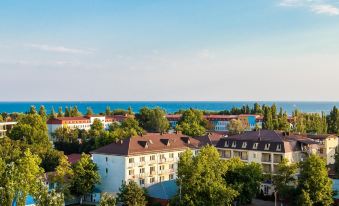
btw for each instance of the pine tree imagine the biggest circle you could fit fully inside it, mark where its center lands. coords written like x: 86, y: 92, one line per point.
x: 52, y: 114
x: 42, y: 112
x: 67, y: 112
x: 32, y: 110
x: 89, y: 111
x: 108, y: 111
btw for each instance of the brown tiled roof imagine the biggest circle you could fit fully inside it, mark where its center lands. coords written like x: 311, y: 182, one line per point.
x: 211, y: 138
x: 316, y: 136
x: 258, y: 140
x: 73, y: 158
x: 148, y: 143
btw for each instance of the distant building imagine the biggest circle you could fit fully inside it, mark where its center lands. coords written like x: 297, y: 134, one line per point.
x: 220, y: 122
x: 83, y: 122
x: 4, y: 127
x: 147, y: 159
x: 268, y: 148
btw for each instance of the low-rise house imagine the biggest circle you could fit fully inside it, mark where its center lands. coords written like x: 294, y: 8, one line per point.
x: 146, y: 159
x: 268, y: 148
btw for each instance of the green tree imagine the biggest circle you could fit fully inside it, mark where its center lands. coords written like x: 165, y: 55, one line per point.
x: 43, y: 197
x: 74, y: 112
x: 89, y: 111
x: 107, y: 200
x: 268, y: 118
x: 333, y: 121
x: 131, y: 194
x: 61, y: 113
x: 42, y: 112
x: 85, y: 176
x: 244, y: 178
x: 129, y: 110
x: 63, y: 176
x: 108, y: 111
x: 65, y: 134
x: 236, y: 126
x: 32, y: 110
x: 153, y: 120
x: 192, y: 123
x: 52, y: 114
x: 67, y: 112
x: 201, y: 181
x: 314, y: 182
x: 285, y: 179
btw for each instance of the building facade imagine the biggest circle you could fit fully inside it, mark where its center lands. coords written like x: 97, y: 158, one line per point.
x: 147, y: 159
x: 268, y: 148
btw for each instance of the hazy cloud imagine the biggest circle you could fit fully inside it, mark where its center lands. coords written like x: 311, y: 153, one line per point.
x: 59, y: 49
x: 316, y: 6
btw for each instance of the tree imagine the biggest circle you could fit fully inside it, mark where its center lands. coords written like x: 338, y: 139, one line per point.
x: 108, y: 111
x: 67, y: 112
x: 52, y: 114
x: 65, y: 134
x: 32, y: 110
x: 333, y: 121
x: 129, y: 110
x: 285, y: 179
x: 42, y: 112
x: 236, y: 126
x: 201, y: 181
x: 107, y: 200
x: 63, y: 176
x: 131, y: 194
x: 85, y: 176
x: 43, y: 197
x: 89, y: 111
x: 61, y: 113
x: 314, y: 184
x: 244, y: 178
x: 192, y: 123
x: 32, y: 129
x: 74, y: 112
x: 153, y: 120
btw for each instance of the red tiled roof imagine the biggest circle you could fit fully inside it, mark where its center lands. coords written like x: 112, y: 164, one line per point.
x: 148, y: 143
x: 73, y: 158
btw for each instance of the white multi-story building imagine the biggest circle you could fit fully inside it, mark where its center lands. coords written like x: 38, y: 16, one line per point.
x: 5, y: 126
x: 268, y: 148
x: 147, y: 159
x: 84, y: 122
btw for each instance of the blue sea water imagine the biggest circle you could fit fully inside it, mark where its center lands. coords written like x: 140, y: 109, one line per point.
x: 169, y: 106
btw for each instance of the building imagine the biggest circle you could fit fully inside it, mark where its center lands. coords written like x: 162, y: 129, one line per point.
x: 220, y: 122
x: 83, y: 122
x: 328, y: 144
x: 147, y: 159
x: 4, y: 127
x: 268, y: 148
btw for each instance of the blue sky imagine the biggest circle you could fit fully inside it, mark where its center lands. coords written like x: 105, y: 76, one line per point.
x: 169, y: 50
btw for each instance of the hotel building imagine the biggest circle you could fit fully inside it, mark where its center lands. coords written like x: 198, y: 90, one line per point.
x: 147, y: 159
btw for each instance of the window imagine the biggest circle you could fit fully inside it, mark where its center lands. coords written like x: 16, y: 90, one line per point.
x: 162, y: 178
x: 152, y: 157
x: 267, y: 146
x: 255, y: 146
x: 162, y: 167
x: 171, y: 176
x: 106, y: 170
x: 106, y: 159
x: 152, y: 169
x: 162, y: 156
x: 234, y: 144
x: 244, y: 145
x: 131, y: 160
x: 171, y: 166
x: 142, y: 159
x: 279, y: 147
x: 142, y: 170
x: 141, y: 181
x: 152, y: 179
x: 130, y: 172
x: 266, y: 189
x: 171, y: 155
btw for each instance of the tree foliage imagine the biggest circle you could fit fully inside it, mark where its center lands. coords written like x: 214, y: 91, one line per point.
x: 235, y: 126
x: 192, y: 123
x: 153, y: 120
x: 244, y: 178
x: 107, y: 200
x: 201, y: 179
x: 131, y: 194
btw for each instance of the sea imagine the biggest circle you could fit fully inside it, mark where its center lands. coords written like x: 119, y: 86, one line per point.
x: 168, y: 106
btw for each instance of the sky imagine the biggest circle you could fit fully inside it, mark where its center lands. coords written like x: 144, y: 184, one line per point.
x: 175, y: 50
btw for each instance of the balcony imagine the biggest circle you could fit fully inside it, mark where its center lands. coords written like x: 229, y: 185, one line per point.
x: 266, y: 157
x: 267, y: 168
x: 277, y: 158
x: 140, y: 164
x: 244, y: 156
x: 162, y: 160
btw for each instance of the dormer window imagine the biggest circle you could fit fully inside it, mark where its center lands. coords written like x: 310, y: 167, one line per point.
x: 244, y: 145
x: 267, y: 146
x: 255, y: 145
x: 234, y: 144
x: 226, y: 144
x: 279, y: 147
